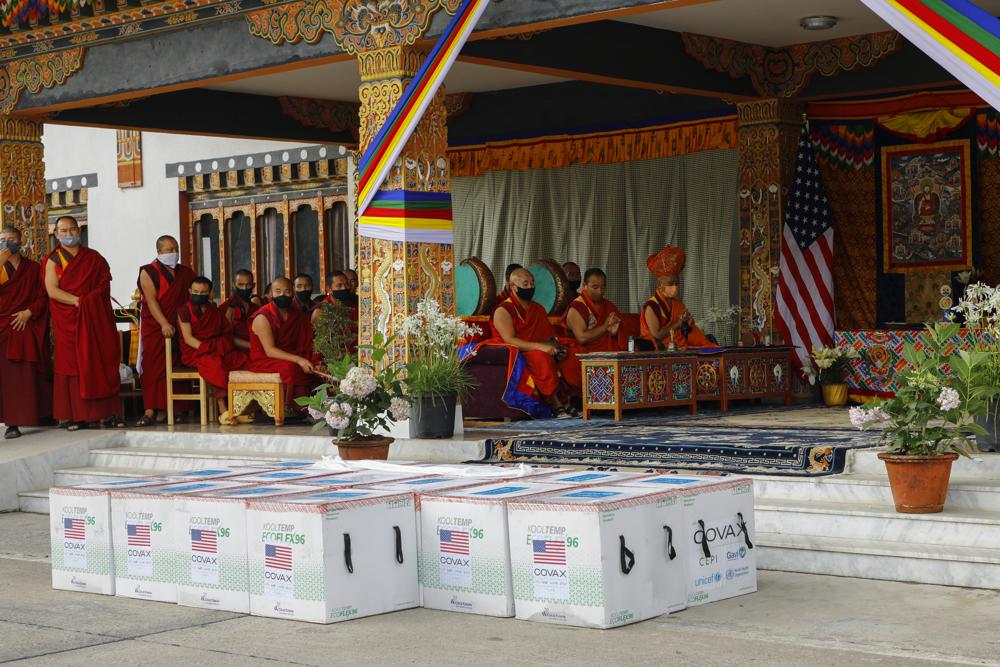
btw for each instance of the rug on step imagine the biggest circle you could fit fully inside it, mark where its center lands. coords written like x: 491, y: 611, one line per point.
x: 799, y: 452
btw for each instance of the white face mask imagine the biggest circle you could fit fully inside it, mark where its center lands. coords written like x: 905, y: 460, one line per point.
x: 168, y: 259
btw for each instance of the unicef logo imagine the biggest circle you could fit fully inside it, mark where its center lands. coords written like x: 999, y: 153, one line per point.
x: 718, y: 577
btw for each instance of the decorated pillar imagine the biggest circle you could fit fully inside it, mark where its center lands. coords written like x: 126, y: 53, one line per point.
x: 22, y: 182
x: 405, y: 251
x: 768, y: 136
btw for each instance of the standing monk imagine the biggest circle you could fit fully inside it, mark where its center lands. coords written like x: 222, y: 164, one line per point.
x: 25, y: 384
x: 665, y: 318
x: 240, y: 307
x: 521, y: 323
x: 87, y: 347
x: 207, y: 344
x: 593, y: 321
x: 281, y: 341
x: 164, y: 284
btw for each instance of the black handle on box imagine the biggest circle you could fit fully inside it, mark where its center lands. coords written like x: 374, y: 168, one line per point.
x: 627, y: 557
x: 347, y: 553
x: 704, y: 539
x: 746, y: 531
x: 671, y: 552
x: 399, y: 544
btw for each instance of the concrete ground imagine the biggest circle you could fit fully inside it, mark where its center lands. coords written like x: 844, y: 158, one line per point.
x: 794, y: 619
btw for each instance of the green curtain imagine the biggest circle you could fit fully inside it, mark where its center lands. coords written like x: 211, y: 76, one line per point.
x: 612, y: 217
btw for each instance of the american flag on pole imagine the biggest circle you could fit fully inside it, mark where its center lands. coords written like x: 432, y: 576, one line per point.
x: 138, y: 534
x: 74, y: 529
x: 805, y: 282
x: 455, y: 542
x: 203, y: 540
x: 548, y: 552
x: 277, y: 557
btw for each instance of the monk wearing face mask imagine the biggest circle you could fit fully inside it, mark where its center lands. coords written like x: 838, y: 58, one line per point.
x: 281, y: 341
x: 665, y: 318
x: 164, y: 284
x: 240, y: 307
x: 341, y: 295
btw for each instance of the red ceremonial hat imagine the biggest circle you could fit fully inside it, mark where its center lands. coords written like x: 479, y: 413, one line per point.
x: 667, y: 262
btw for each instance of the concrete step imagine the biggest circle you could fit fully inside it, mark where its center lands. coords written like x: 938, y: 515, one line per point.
x: 238, y: 441
x: 34, y: 501
x: 153, y: 461
x: 872, y: 489
x: 985, y: 465
x: 969, y: 567
x: 96, y: 475
x: 862, y: 523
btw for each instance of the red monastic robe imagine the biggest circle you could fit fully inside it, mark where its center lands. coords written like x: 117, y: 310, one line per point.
x: 87, y: 346
x: 668, y: 312
x: 217, y: 355
x: 595, y: 314
x: 171, y: 293
x: 294, y: 335
x: 531, y: 323
x: 25, y: 361
x: 243, y: 311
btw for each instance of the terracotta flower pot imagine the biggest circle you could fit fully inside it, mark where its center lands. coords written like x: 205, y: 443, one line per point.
x: 919, y: 483
x: 373, y: 448
x: 835, y: 395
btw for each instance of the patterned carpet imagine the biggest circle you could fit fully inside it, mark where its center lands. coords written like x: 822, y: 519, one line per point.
x: 801, y: 452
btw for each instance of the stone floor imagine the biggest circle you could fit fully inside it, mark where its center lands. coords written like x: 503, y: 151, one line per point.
x: 794, y: 619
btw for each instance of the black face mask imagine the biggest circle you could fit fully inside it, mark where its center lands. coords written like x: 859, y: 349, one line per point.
x: 341, y: 294
x: 574, y: 285
x: 525, y: 293
x: 199, y: 299
x: 305, y: 296
x: 245, y: 294
x: 283, y: 301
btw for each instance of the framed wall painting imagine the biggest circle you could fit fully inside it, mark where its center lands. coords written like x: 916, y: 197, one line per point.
x: 927, y: 207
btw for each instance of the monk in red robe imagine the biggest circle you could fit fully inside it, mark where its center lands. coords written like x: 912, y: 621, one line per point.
x: 504, y: 294
x: 240, y: 307
x: 665, y: 318
x: 25, y: 380
x: 207, y: 344
x: 164, y: 284
x: 281, y: 341
x: 593, y: 321
x: 86, y: 381
x: 303, y: 288
x: 521, y: 323
x: 352, y: 280
x: 340, y: 295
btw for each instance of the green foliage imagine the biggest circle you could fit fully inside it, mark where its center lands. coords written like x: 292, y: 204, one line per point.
x: 333, y: 333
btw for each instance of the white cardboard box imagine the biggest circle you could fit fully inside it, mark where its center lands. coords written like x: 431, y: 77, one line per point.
x: 145, y: 553
x: 283, y: 476
x: 589, y: 477
x: 332, y: 555
x: 598, y: 556
x: 367, y: 477
x: 275, y: 465
x: 464, y: 550
x: 221, y: 472
x: 210, y: 532
x: 80, y: 531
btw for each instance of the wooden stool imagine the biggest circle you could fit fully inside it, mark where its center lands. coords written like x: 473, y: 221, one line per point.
x: 266, y: 389
x: 206, y: 405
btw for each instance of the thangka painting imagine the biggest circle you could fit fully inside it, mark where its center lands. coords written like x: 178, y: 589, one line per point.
x: 926, y: 207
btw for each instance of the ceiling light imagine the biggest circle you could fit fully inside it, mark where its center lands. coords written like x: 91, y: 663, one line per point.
x: 817, y: 22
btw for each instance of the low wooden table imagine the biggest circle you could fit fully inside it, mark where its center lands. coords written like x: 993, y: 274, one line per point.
x: 622, y: 381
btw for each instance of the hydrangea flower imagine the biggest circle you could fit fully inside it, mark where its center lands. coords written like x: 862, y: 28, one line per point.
x: 359, y: 383
x: 949, y: 399
x: 338, y: 415
x: 399, y: 409
x: 865, y: 418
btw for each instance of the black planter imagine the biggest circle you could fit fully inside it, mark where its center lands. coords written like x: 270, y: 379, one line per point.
x: 991, y: 441
x: 433, y: 416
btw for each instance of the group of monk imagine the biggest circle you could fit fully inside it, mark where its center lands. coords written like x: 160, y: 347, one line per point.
x: 591, y: 323
x: 78, y: 383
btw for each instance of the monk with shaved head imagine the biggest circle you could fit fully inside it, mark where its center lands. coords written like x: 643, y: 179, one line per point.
x: 164, y: 284
x: 523, y: 324
x: 281, y: 341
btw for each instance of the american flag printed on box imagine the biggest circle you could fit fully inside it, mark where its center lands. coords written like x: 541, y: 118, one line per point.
x: 548, y: 552
x: 74, y: 529
x: 138, y: 534
x: 455, y: 542
x: 203, y: 540
x: 277, y: 557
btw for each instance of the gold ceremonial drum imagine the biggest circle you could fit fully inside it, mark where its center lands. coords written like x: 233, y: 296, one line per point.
x: 475, y: 288
x: 552, y: 290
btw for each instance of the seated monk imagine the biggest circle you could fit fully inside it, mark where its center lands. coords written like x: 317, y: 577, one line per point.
x: 593, y: 321
x: 521, y: 323
x: 504, y: 294
x: 303, y: 286
x: 240, y: 307
x: 281, y: 341
x: 665, y: 319
x: 340, y: 295
x: 207, y: 344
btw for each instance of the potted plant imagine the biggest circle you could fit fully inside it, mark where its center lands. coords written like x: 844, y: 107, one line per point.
x: 721, y: 321
x: 435, y: 376
x: 829, y: 366
x: 334, y: 335
x: 931, y: 420
x: 979, y: 310
x: 360, y: 400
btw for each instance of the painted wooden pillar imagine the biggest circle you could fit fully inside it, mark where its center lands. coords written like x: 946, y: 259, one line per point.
x: 394, y: 275
x: 768, y: 136
x: 22, y: 182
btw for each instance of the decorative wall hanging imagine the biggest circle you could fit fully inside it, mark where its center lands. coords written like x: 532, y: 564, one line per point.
x: 844, y: 146
x: 987, y: 133
x: 926, y: 207
x: 129, y: 159
x: 930, y: 125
